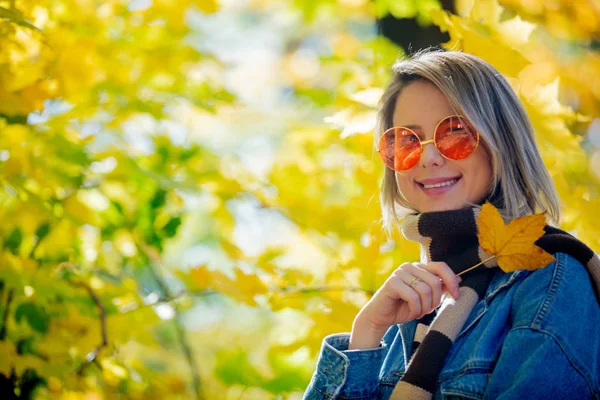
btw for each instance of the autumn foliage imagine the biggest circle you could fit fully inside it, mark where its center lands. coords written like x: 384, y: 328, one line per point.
x: 190, y: 189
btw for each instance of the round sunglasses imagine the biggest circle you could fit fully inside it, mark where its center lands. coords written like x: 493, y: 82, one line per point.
x: 455, y: 138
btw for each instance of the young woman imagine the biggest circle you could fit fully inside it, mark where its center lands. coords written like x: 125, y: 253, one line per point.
x: 452, y: 134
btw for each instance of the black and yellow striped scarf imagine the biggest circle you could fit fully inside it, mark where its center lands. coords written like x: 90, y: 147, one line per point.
x: 451, y: 236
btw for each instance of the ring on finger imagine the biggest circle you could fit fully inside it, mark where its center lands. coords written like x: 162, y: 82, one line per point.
x: 414, y: 282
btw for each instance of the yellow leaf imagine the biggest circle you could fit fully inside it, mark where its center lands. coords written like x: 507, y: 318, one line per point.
x: 482, y: 30
x: 513, y: 244
x: 486, y: 11
x: 10, y: 358
x: 243, y: 287
x: 515, y: 31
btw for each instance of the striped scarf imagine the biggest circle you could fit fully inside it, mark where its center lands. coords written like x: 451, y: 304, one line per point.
x: 451, y: 236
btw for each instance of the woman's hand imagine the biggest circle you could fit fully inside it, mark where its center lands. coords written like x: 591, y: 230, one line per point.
x: 396, y: 302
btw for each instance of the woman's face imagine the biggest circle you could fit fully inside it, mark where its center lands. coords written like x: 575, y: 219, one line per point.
x: 420, y: 105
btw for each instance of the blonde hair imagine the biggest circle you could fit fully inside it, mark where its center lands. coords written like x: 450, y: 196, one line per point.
x: 521, y: 184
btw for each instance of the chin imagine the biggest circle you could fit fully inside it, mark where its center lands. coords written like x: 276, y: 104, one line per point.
x: 444, y: 207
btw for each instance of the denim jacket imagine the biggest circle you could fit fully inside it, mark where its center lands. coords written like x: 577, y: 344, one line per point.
x: 535, y: 335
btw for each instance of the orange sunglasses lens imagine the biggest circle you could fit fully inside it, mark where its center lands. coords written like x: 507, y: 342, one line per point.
x: 455, y: 138
x: 400, y: 149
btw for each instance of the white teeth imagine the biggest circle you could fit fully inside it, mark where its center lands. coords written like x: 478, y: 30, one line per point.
x: 447, y: 183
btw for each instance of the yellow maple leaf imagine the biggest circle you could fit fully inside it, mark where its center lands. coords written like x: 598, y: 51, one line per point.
x: 513, y: 244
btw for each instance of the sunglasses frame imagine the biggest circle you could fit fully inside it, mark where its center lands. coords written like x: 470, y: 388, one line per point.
x: 425, y: 142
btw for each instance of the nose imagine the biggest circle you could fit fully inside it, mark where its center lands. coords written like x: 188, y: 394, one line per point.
x: 430, y: 156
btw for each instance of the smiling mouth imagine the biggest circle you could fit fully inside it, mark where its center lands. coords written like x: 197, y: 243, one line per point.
x: 439, y: 188
x: 441, y: 184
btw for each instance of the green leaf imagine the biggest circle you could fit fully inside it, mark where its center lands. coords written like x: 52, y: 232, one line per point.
x: 234, y: 368
x: 159, y: 199
x: 18, y: 18
x: 29, y: 383
x: 13, y: 241
x: 35, y: 316
x: 42, y: 231
x: 170, y: 229
x: 26, y: 345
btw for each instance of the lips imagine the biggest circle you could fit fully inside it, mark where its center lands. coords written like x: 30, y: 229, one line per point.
x: 439, y: 190
x: 433, y: 181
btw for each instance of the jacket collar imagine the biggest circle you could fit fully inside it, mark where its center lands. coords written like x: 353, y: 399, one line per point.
x: 501, y: 280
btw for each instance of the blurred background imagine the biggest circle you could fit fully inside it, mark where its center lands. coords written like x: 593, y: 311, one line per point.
x: 189, y: 188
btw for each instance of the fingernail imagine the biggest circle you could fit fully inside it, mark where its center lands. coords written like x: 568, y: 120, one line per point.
x: 459, y: 279
x: 456, y: 294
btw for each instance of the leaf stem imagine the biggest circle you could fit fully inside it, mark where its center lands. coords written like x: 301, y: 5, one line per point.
x: 476, y: 265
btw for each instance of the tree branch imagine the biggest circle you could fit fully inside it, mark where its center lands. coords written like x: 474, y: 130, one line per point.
x: 91, y: 356
x: 5, y: 316
x: 321, y: 289
x: 185, y: 346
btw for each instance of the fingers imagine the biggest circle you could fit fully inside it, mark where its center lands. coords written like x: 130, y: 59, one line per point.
x: 443, y: 271
x: 425, y: 295
x: 400, y: 280
x: 420, y: 294
x: 431, y: 286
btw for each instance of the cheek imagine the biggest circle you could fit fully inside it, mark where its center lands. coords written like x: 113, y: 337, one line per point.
x: 482, y: 172
x: 404, y: 182
x: 483, y: 160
